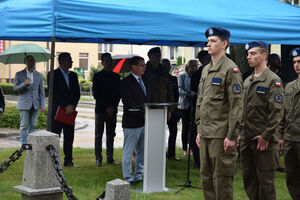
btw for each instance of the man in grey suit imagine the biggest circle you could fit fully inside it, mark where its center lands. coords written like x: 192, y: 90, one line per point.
x: 29, y: 85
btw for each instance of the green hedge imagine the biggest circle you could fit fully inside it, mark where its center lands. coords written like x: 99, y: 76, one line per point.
x: 8, y: 89
x: 11, y: 118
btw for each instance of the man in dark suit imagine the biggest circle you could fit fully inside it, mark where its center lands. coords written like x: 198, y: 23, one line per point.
x: 134, y: 93
x: 66, y: 93
x: 106, y: 92
x: 2, y: 102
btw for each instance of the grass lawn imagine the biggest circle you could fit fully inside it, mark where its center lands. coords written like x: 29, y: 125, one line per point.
x: 89, y: 181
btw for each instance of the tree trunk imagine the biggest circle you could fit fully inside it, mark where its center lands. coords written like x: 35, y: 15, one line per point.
x: 239, y: 56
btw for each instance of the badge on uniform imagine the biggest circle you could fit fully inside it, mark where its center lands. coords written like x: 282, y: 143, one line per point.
x: 216, y: 81
x: 235, y: 69
x: 278, y: 98
x: 261, y: 90
x: 277, y: 84
x: 236, y: 89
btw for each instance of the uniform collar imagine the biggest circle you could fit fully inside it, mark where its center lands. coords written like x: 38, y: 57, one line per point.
x: 217, y: 66
x: 262, y: 77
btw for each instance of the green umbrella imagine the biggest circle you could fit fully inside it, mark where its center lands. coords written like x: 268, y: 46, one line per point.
x: 16, y: 53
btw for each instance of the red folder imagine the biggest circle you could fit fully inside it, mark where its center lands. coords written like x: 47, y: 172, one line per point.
x: 62, y: 117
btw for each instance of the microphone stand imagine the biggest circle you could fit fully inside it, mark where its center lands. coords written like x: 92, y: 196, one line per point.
x: 188, y: 182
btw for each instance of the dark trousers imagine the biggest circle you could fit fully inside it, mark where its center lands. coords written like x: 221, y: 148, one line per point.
x: 186, y: 119
x: 172, y: 125
x: 258, y: 169
x: 110, y: 123
x: 194, y: 147
x: 185, y: 127
x: 68, y: 131
x: 292, y: 164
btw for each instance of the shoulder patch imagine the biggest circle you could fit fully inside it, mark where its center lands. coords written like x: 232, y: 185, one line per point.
x: 235, y: 69
x: 216, y: 81
x: 277, y: 84
x: 236, y: 89
x: 278, y: 98
x: 261, y: 90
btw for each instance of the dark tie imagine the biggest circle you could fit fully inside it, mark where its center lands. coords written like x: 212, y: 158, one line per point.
x: 142, y: 86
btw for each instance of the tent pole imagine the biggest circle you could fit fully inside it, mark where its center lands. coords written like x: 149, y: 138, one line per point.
x: 50, y: 86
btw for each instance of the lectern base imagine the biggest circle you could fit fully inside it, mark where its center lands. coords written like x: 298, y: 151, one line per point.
x: 164, y: 190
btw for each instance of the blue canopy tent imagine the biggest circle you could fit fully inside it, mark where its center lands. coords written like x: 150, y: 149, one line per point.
x: 156, y: 22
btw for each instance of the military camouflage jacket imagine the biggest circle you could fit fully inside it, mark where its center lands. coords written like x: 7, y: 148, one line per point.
x: 219, y: 102
x: 263, y: 106
x: 160, y: 84
x: 292, y: 111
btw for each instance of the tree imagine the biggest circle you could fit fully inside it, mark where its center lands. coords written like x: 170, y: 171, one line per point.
x: 93, y: 70
x: 179, y: 60
x: 238, y: 55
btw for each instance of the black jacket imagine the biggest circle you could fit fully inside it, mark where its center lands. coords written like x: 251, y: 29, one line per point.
x: 106, y: 90
x: 2, y: 102
x: 133, y: 98
x: 174, y: 83
x: 62, y: 94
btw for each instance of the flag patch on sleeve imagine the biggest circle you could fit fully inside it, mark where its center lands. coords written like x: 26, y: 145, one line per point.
x: 235, y: 69
x: 277, y: 84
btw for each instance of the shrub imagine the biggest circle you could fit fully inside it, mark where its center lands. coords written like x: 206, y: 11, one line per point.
x: 180, y: 61
x: 78, y: 73
x: 11, y: 118
x: 124, y: 74
x: 7, y: 88
x: 93, y: 71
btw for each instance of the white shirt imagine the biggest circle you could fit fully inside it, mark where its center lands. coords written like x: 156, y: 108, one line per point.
x: 30, y: 75
x: 137, y: 79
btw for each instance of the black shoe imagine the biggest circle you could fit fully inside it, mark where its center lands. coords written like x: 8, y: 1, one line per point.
x: 98, y: 163
x: 197, y: 165
x: 113, y: 162
x: 174, y: 158
x: 70, y: 164
x: 139, y: 181
x: 132, y: 183
x: 280, y: 169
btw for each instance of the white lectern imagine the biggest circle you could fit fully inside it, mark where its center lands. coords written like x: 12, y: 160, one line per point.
x: 155, y: 147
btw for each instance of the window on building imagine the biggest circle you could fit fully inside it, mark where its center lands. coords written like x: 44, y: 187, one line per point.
x: 56, y: 55
x: 196, y: 50
x: 84, y: 61
x: 172, y: 53
x: 103, y: 48
x: 293, y: 2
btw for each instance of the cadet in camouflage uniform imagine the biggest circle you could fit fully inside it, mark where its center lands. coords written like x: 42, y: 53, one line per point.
x: 292, y: 130
x: 218, y: 109
x: 263, y: 112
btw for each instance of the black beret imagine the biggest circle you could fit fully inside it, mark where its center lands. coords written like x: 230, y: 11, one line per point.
x: 295, y: 52
x: 154, y: 50
x: 261, y: 44
x: 216, y: 31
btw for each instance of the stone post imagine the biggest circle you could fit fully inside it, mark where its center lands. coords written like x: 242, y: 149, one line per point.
x: 117, y: 190
x: 39, y: 180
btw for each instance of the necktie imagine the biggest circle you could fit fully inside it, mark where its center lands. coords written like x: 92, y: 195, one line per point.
x: 142, y: 86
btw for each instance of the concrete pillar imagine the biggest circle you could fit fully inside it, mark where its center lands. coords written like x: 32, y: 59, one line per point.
x: 39, y: 180
x: 117, y: 190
